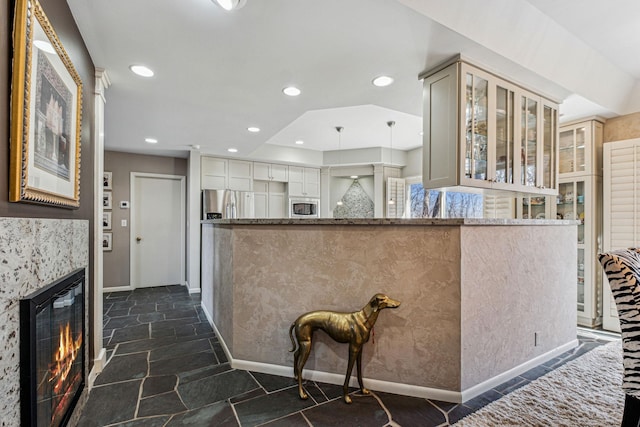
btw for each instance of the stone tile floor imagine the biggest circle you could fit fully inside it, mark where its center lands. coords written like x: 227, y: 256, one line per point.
x: 166, y: 368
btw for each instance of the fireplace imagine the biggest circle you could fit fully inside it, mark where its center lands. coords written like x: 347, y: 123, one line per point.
x: 52, y: 356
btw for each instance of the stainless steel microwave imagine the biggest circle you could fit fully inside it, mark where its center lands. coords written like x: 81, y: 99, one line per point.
x: 304, y: 207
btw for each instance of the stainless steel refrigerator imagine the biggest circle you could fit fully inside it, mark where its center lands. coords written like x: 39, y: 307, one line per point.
x: 221, y: 204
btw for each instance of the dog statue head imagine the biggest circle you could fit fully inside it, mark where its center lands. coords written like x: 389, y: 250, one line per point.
x: 381, y: 301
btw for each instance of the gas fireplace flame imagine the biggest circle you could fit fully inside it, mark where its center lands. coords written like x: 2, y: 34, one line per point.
x: 64, y: 357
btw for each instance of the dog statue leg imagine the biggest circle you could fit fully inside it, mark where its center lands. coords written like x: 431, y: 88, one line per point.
x: 300, y: 358
x: 353, y: 355
x: 359, y: 368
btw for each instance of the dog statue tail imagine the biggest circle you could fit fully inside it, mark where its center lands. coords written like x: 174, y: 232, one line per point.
x: 295, y: 345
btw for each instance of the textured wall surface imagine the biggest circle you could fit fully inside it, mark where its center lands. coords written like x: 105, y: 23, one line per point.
x: 33, y: 253
x: 280, y: 272
x: 530, y: 287
x: 623, y: 127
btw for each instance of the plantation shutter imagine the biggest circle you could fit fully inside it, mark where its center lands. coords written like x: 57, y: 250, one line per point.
x: 498, y: 206
x: 621, y: 210
x: 396, y: 193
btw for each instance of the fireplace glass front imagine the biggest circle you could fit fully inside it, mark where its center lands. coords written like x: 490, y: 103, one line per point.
x: 52, y: 351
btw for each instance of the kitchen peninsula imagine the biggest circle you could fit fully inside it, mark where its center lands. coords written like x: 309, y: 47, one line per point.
x: 483, y: 300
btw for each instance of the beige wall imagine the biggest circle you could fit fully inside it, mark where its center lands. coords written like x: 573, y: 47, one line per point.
x: 116, y: 262
x: 623, y: 127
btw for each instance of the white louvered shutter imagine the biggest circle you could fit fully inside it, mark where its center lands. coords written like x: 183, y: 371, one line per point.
x: 396, y: 189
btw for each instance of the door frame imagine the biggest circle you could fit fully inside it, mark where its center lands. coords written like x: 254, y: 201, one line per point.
x: 132, y: 223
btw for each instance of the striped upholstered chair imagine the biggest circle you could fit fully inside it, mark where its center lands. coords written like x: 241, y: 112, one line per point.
x: 622, y: 268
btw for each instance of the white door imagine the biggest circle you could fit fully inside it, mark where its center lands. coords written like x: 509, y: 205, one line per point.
x: 157, y: 230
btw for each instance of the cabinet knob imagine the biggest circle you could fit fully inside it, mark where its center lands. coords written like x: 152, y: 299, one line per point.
x: 138, y: 239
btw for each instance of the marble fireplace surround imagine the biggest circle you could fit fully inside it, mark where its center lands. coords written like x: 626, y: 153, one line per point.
x: 33, y: 253
x: 473, y: 292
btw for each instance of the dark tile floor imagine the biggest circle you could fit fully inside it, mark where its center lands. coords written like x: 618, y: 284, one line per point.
x: 166, y: 368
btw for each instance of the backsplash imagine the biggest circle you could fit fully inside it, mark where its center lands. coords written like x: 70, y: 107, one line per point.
x: 356, y: 203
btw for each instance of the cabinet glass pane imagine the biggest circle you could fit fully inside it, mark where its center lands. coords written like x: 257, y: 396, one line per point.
x: 548, y: 152
x: 565, y: 201
x: 580, y: 140
x: 476, y: 127
x: 533, y: 207
x: 566, y: 149
x: 504, y: 136
x: 580, y: 279
x: 580, y: 213
x: 529, y: 137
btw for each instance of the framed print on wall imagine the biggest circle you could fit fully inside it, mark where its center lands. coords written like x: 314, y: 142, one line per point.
x: 106, y: 220
x: 107, y: 241
x: 46, y: 110
x: 107, y: 181
x: 107, y: 200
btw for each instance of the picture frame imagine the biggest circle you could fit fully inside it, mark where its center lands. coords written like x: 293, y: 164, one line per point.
x: 107, y: 242
x: 107, y: 200
x: 107, y: 181
x: 106, y: 220
x: 46, y: 111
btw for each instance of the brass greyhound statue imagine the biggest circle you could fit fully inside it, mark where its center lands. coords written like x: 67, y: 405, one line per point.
x: 352, y: 328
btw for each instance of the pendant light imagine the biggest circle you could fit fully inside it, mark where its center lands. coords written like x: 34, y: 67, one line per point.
x: 339, y: 130
x: 391, y: 124
x: 229, y: 5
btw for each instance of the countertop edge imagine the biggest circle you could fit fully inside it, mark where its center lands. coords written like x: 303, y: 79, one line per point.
x: 390, y: 221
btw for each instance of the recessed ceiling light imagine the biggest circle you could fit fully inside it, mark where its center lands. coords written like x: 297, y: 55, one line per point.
x: 141, y: 70
x: 232, y: 150
x: 253, y: 129
x: 291, y: 91
x: 230, y: 4
x: 421, y: 133
x: 44, y: 46
x: 382, y: 81
x: 151, y: 140
x: 354, y: 176
x: 299, y: 142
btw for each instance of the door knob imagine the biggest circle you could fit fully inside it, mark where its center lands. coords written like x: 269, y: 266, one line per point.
x: 138, y: 239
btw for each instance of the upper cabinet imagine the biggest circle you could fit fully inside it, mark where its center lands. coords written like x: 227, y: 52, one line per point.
x: 270, y: 172
x: 580, y: 148
x: 304, y: 182
x: 240, y: 175
x: 213, y: 173
x: 482, y: 131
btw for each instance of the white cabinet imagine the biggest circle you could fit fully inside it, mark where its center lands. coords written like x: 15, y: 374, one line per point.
x: 213, y: 173
x: 580, y: 198
x: 481, y: 131
x: 240, y: 175
x: 621, y: 212
x: 304, y: 182
x: 270, y: 199
x: 270, y: 172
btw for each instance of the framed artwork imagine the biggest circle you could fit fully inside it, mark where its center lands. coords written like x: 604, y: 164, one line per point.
x: 107, y: 200
x: 46, y: 109
x: 106, y: 241
x: 106, y: 220
x: 107, y: 181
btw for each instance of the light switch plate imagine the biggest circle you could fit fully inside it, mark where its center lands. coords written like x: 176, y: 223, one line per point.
x: 123, y: 222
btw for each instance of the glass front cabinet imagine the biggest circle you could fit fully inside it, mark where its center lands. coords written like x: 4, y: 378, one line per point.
x: 481, y: 131
x: 580, y: 198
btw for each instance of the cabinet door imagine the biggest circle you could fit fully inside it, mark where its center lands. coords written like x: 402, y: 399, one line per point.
x: 261, y: 205
x: 505, y: 149
x: 277, y: 205
x: 475, y: 129
x: 311, y: 182
x: 213, y: 173
x: 529, y: 118
x: 296, y: 181
x: 240, y: 175
x: 548, y: 171
x: 261, y: 171
x: 279, y: 173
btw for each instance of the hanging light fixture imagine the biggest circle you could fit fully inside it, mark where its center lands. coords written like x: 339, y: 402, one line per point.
x: 229, y: 5
x: 391, y: 124
x: 339, y: 130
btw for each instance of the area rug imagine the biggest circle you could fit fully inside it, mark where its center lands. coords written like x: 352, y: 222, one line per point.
x: 584, y: 392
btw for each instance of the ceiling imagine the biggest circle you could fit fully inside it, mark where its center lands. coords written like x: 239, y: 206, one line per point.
x: 218, y: 73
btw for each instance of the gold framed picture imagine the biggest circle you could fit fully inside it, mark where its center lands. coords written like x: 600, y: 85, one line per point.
x: 46, y: 111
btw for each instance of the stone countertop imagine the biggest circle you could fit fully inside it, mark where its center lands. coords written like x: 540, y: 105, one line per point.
x: 389, y: 221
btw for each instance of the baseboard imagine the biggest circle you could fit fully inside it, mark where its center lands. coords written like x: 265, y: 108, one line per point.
x: 98, y: 366
x: 388, y: 386
x: 117, y: 289
x: 487, y: 385
x: 193, y: 290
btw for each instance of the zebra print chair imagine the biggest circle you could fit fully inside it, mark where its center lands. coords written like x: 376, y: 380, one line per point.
x: 622, y: 268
